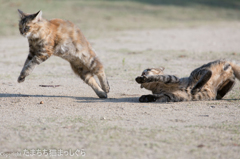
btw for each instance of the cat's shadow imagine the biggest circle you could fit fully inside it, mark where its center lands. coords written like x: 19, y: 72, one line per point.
x: 79, y: 99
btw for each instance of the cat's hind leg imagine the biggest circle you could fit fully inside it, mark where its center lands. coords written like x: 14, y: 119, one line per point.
x: 205, y: 75
x: 103, y: 81
x: 227, y: 86
x: 97, y: 68
x: 88, y: 77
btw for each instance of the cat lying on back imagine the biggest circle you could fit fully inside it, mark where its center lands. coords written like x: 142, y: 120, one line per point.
x: 61, y: 38
x: 208, y: 82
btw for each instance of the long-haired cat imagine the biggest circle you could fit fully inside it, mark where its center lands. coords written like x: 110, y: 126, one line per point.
x: 208, y: 82
x: 64, y: 39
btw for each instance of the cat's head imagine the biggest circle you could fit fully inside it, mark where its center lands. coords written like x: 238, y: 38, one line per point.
x: 29, y: 23
x: 153, y: 71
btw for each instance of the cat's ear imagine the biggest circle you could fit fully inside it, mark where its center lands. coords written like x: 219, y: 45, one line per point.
x: 161, y: 68
x: 21, y: 14
x: 38, y: 17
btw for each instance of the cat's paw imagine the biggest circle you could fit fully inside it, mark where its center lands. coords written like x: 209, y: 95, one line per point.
x: 106, y: 88
x: 21, y: 79
x: 147, y: 98
x: 101, y: 94
x: 194, y: 91
x: 141, y: 79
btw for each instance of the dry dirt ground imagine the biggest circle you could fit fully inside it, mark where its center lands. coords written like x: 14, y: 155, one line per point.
x: 72, y: 118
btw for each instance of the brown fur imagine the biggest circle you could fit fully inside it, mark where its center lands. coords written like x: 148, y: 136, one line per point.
x: 208, y: 82
x: 64, y: 39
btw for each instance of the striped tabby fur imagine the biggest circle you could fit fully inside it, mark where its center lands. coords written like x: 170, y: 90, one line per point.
x: 208, y: 82
x: 61, y: 38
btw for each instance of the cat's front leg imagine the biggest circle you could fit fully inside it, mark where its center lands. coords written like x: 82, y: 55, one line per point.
x: 21, y: 79
x: 167, y: 79
x: 29, y: 67
x: 29, y: 58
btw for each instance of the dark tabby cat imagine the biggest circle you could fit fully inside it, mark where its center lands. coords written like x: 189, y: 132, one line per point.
x: 208, y: 82
x: 61, y: 38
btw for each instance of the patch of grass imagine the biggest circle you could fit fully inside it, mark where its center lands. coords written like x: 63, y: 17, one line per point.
x: 123, y: 62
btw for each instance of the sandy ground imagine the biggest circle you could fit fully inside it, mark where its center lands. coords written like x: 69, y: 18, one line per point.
x: 72, y: 118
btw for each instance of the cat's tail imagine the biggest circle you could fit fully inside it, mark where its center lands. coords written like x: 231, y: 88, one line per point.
x: 236, y: 69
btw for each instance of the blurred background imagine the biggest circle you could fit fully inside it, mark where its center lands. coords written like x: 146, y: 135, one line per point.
x: 97, y: 18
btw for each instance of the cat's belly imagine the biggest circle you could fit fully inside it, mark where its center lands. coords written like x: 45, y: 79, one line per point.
x: 66, y: 51
x: 75, y: 54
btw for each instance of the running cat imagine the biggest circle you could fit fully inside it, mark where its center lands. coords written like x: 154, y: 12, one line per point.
x: 64, y: 39
x: 208, y: 82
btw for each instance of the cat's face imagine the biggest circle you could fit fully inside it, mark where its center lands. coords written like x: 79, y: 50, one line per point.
x: 153, y: 71
x: 29, y: 23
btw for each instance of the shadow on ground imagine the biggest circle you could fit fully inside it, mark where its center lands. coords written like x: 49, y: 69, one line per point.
x: 123, y: 99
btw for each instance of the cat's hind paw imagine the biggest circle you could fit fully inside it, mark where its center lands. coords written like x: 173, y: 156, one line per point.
x: 195, y: 91
x: 147, y: 98
x: 101, y: 94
